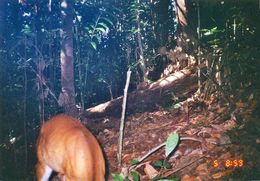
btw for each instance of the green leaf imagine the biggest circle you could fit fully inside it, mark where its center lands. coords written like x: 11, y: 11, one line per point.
x: 171, y: 143
x: 94, y: 45
x: 89, y: 31
x: 135, y: 31
x: 103, y: 30
x: 168, y: 179
x: 134, y: 162
x: 27, y: 29
x: 117, y: 177
x: 107, y: 20
x: 103, y: 25
x: 132, y: 18
x: 166, y: 164
x: 162, y: 164
x: 177, y: 106
x: 135, y: 176
x: 98, y: 38
x: 158, y: 164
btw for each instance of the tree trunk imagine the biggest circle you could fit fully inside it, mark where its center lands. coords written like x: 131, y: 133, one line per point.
x: 186, y: 30
x: 1, y: 117
x: 67, y: 95
x: 1, y: 114
x: 142, y: 63
x: 163, y: 22
x: 181, y: 83
x: 2, y: 25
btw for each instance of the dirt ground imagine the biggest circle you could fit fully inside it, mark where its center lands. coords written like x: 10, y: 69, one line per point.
x: 215, y: 143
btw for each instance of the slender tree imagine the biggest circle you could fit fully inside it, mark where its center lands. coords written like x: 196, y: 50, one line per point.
x: 67, y: 95
x: 140, y: 45
x: 185, y: 27
x: 2, y: 13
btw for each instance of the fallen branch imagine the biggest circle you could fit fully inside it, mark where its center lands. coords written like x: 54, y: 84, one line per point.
x: 122, y: 121
x: 180, y: 83
x: 184, y: 166
x: 159, y: 147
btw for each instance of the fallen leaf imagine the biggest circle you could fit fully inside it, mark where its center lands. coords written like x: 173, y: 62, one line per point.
x: 216, y: 135
x: 150, y: 171
x: 224, y: 139
x: 230, y: 124
x: 205, y: 132
x: 221, y: 174
x: 211, y: 140
x: 108, y: 133
x: 217, y: 127
x: 191, y: 131
x: 208, y: 144
x: 240, y: 104
x: 188, y: 178
x: 202, y: 169
x: 225, y: 156
x: 197, y: 152
x: 221, y: 110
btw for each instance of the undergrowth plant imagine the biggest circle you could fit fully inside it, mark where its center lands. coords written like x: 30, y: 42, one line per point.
x: 170, y: 145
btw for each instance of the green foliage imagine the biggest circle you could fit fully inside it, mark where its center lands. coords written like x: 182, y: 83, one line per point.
x: 162, y: 164
x: 103, y: 33
x: 174, y: 179
x: 171, y: 143
x: 213, y: 36
x: 233, y: 45
x: 27, y: 31
x: 135, y: 176
x: 97, y: 30
x: 117, y: 177
x: 94, y: 45
x: 134, y: 162
x: 177, y: 106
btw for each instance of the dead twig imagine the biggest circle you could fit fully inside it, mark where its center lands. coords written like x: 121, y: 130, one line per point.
x: 122, y: 121
x: 159, y: 147
x: 184, y: 166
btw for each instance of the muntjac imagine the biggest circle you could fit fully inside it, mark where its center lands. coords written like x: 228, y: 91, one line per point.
x: 67, y: 147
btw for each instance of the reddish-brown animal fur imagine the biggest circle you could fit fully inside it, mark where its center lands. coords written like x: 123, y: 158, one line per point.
x: 67, y: 147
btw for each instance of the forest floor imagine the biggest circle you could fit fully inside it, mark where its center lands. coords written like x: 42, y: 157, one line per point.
x: 215, y: 143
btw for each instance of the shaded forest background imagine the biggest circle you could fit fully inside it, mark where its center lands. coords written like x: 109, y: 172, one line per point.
x: 110, y: 36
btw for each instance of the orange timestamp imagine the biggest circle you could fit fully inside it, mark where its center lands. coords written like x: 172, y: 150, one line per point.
x: 228, y: 163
